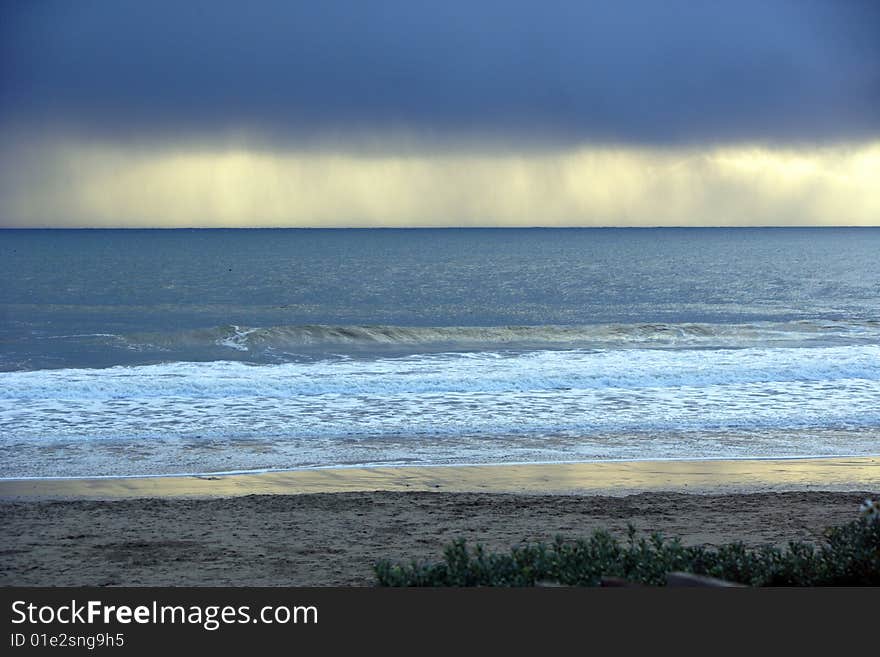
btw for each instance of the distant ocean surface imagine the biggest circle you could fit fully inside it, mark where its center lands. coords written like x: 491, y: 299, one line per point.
x: 126, y: 352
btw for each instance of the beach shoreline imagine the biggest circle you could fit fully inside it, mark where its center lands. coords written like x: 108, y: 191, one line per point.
x: 330, y: 526
x: 615, y: 478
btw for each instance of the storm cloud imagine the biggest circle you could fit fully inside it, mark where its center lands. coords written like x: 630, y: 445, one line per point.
x: 629, y: 72
x: 404, y: 113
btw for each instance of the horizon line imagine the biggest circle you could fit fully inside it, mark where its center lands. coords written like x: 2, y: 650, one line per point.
x: 470, y: 227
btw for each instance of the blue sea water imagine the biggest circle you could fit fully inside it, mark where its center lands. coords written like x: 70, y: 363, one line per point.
x: 169, y: 351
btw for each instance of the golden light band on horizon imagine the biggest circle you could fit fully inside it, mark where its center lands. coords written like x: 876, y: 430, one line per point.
x: 84, y: 184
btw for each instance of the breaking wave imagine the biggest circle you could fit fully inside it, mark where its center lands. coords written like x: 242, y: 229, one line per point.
x: 686, y: 335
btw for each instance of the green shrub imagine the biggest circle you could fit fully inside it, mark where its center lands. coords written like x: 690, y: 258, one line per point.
x: 850, y: 556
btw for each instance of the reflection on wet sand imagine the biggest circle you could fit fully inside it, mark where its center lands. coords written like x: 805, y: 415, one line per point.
x: 607, y: 478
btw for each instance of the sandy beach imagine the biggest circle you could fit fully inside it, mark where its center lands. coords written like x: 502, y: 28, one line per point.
x: 315, y: 528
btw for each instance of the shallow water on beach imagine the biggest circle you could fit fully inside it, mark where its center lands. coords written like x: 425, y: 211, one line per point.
x: 154, y: 352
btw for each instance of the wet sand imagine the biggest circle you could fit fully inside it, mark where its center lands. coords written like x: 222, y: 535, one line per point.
x: 607, y: 477
x: 328, y: 527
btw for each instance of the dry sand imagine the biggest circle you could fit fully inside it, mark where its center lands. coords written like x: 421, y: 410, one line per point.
x: 202, y: 532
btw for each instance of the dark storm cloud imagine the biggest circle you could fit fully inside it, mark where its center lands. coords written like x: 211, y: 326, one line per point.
x: 649, y: 71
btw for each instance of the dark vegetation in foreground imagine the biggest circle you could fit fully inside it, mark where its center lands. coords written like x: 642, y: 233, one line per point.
x: 849, y: 556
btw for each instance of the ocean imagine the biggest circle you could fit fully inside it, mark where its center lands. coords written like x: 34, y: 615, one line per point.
x: 151, y: 352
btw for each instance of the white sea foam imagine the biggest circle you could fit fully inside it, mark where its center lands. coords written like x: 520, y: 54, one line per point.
x: 435, y: 408
x: 483, y: 372
x: 237, y: 339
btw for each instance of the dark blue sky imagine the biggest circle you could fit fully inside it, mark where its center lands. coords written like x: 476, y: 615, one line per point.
x: 634, y: 71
